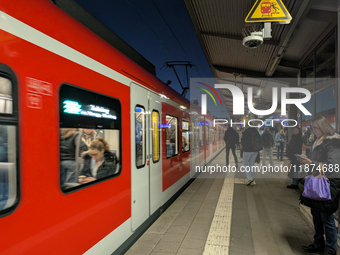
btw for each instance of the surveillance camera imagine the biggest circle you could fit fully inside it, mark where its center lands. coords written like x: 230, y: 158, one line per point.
x: 252, y: 41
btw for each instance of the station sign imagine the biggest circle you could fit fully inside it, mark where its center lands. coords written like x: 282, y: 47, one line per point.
x: 268, y: 11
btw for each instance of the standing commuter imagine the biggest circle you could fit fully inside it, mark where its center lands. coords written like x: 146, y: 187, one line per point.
x: 325, y: 151
x: 268, y: 144
x: 308, y: 140
x: 251, y: 144
x: 88, y: 136
x: 230, y: 138
x: 280, y: 140
x: 69, y: 140
x: 294, y: 147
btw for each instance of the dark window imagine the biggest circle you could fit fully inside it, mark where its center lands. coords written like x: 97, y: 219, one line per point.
x: 9, y: 188
x: 155, y: 136
x: 140, y: 135
x: 185, y: 136
x: 171, y: 133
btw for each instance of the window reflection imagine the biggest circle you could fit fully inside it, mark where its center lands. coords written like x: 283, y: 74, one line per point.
x: 6, y: 103
x: 171, y: 133
x: 140, y: 135
x: 8, y: 175
x: 185, y: 136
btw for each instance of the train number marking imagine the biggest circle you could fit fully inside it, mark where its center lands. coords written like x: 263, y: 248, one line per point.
x: 34, y: 101
x: 39, y: 87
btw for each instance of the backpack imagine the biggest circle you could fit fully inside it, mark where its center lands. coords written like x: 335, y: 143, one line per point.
x: 256, y: 141
x: 235, y: 138
x: 266, y: 140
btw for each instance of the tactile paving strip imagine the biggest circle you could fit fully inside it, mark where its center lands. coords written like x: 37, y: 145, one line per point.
x: 219, y: 234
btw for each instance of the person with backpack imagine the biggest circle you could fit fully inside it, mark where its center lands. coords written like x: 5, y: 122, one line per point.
x: 231, y: 138
x: 294, y: 147
x: 252, y: 144
x: 280, y: 140
x: 308, y: 140
x: 268, y: 144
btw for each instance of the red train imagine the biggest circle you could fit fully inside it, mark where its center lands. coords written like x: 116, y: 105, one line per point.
x: 58, y: 81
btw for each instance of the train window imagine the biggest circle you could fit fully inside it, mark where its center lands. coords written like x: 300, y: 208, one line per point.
x: 171, y: 134
x: 200, y: 138
x: 8, y: 141
x: 155, y: 136
x: 213, y: 130
x: 193, y: 135
x: 8, y: 174
x: 185, y: 136
x: 90, y: 137
x: 140, y: 135
x: 6, y: 103
x: 206, y: 134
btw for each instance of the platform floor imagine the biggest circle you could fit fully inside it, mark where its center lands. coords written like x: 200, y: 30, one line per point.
x: 224, y: 216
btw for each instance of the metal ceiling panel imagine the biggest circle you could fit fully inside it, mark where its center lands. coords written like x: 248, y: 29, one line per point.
x: 303, y: 39
x: 219, y: 25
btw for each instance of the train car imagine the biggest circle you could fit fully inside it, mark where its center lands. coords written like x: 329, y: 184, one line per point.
x: 62, y: 88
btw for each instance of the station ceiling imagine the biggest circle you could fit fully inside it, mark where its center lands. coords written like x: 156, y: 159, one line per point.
x: 219, y: 25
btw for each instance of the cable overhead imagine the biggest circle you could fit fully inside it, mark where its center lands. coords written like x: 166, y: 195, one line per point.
x: 170, y: 28
x: 172, y: 64
x: 150, y: 28
x: 198, y: 57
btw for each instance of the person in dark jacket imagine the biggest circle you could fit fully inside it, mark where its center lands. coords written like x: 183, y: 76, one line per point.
x: 251, y: 144
x: 99, y: 162
x: 230, y: 138
x: 294, y: 147
x: 280, y: 140
x: 268, y: 144
x: 308, y: 140
x: 325, y: 151
x: 69, y: 140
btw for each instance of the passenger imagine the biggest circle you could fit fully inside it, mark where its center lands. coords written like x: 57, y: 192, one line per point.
x: 326, y: 150
x: 3, y: 144
x: 251, y: 144
x: 88, y: 136
x: 294, y: 147
x: 139, y: 138
x: 172, y: 142
x: 268, y: 144
x: 308, y: 140
x: 99, y: 162
x: 280, y: 140
x: 68, y: 144
x: 230, y: 138
x: 184, y: 143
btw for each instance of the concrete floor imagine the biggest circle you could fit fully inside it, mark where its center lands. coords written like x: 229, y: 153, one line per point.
x: 224, y: 216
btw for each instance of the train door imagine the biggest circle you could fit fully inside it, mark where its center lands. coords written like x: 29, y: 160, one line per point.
x: 140, y: 169
x: 194, y: 144
x: 155, y: 157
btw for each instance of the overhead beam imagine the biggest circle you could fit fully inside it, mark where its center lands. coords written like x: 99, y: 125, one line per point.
x: 326, y: 5
x: 239, y: 82
x: 234, y: 37
x: 299, y: 11
x: 324, y: 16
x: 289, y: 64
x: 248, y: 73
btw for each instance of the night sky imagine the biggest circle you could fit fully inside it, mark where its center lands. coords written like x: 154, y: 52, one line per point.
x: 160, y: 31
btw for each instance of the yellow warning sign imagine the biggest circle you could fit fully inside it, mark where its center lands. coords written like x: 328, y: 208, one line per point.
x: 268, y: 11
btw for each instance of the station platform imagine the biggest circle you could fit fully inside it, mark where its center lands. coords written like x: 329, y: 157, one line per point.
x: 224, y: 216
